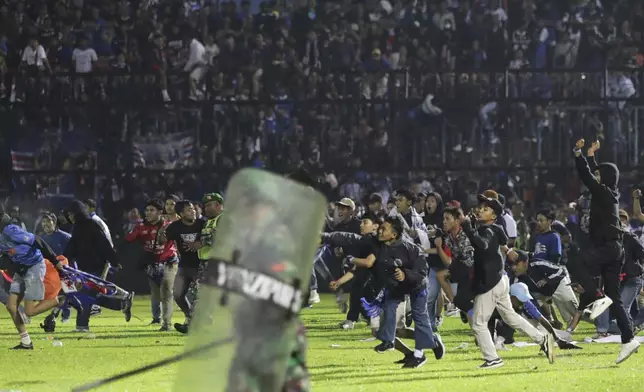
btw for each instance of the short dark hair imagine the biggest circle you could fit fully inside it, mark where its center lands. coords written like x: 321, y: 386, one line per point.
x: 156, y: 203
x: 396, y: 225
x: 181, y: 205
x: 90, y: 203
x: 456, y: 212
x: 174, y: 198
x: 549, y: 214
x: 377, y: 219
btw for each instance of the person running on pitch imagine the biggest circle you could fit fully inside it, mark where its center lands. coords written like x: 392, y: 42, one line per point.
x: 491, y: 285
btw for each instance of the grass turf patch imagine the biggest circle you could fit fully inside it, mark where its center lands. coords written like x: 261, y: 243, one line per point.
x: 350, y: 365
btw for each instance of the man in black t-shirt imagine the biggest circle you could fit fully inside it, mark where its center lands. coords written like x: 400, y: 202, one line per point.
x: 184, y: 232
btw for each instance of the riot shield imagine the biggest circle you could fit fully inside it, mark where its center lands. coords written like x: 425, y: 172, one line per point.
x: 252, y: 287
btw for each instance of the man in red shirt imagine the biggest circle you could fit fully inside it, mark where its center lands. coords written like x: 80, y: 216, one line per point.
x: 159, y: 261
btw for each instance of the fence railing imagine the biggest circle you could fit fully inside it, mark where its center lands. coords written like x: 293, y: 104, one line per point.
x: 253, y: 88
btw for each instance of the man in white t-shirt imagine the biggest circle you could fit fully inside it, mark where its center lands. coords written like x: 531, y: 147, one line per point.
x: 84, y: 58
x: 33, y: 62
x: 196, y: 66
x: 510, y: 223
x: 34, y: 56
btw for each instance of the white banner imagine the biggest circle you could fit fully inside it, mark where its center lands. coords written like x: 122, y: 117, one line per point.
x: 164, y: 151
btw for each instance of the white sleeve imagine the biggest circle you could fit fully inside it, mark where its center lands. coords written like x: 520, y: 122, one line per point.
x: 74, y: 54
x: 41, y: 53
x: 194, y: 56
x: 93, y: 55
x: 104, y: 227
x: 510, y: 226
x: 24, y: 55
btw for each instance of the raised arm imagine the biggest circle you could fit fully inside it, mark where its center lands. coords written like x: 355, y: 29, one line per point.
x: 637, y: 207
x: 583, y: 169
x: 344, y: 238
x: 479, y: 241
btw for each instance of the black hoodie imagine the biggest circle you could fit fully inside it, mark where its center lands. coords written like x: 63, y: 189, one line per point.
x: 88, y: 246
x: 437, y: 217
x: 604, y: 225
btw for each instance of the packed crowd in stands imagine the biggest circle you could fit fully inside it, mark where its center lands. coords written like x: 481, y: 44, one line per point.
x: 345, y: 87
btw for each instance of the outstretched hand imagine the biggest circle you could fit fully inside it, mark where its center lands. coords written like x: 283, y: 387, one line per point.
x: 593, y: 148
x: 578, y: 146
x: 637, y: 194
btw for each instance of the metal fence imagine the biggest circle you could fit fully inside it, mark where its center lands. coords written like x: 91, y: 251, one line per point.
x: 404, y: 120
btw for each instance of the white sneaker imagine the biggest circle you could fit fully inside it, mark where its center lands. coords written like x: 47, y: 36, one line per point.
x: 314, y: 298
x: 347, y: 324
x: 599, y: 307
x: 627, y: 350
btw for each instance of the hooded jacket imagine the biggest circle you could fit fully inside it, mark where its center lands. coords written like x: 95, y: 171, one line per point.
x: 633, y: 257
x: 437, y: 217
x: 88, y: 245
x: 604, y: 225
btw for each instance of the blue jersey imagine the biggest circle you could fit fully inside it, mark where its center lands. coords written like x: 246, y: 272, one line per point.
x: 58, y: 240
x: 19, y: 245
x: 548, y: 247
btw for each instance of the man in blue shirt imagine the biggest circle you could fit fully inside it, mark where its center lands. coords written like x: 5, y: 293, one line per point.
x: 547, y: 243
x: 57, y: 240
x: 54, y: 237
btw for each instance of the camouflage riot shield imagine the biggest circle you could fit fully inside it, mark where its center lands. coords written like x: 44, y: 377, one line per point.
x: 252, y: 286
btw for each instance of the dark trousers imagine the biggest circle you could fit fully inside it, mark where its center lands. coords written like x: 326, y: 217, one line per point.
x: 357, y: 292
x: 82, y: 316
x: 604, y: 264
x: 185, y: 277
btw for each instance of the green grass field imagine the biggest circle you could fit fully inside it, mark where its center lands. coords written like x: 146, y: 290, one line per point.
x: 349, y: 366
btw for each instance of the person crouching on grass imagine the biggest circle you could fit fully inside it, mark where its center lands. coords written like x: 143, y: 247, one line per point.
x: 491, y: 285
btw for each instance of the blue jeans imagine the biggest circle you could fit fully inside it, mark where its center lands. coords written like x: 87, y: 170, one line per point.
x: 423, y: 332
x: 434, y: 290
x: 156, y: 308
x: 629, y: 291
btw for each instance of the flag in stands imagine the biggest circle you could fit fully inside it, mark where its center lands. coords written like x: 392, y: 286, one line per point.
x: 23, y: 160
x: 164, y: 151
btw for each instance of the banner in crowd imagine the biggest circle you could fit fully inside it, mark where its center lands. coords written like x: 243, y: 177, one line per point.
x: 164, y: 151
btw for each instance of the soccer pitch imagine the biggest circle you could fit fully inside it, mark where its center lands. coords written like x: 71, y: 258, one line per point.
x: 338, y: 360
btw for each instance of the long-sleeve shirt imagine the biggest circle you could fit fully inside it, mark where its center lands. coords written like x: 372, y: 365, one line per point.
x: 604, y: 225
x: 146, y: 233
x: 488, y: 260
x: 103, y: 225
x: 548, y: 247
x: 57, y: 240
x: 543, y: 270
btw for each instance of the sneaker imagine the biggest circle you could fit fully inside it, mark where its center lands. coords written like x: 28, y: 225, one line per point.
x: 638, y: 328
x: 49, y: 324
x: 347, y: 324
x: 599, y: 307
x: 155, y: 321
x: 492, y: 364
x: 627, y: 350
x: 127, y: 307
x: 81, y: 329
x: 600, y: 335
x: 453, y: 313
x: 183, y: 328
x: 439, y: 322
x: 439, y: 350
x: 21, y: 346
x: 384, y: 347
x: 415, y: 362
x: 65, y: 320
x: 406, y: 359
x: 548, y: 347
x: 314, y: 298
x: 95, y: 311
x: 164, y: 328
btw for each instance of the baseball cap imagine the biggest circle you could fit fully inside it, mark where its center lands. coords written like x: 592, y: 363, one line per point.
x: 208, y: 197
x: 492, y: 203
x: 520, y: 290
x: 347, y: 203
